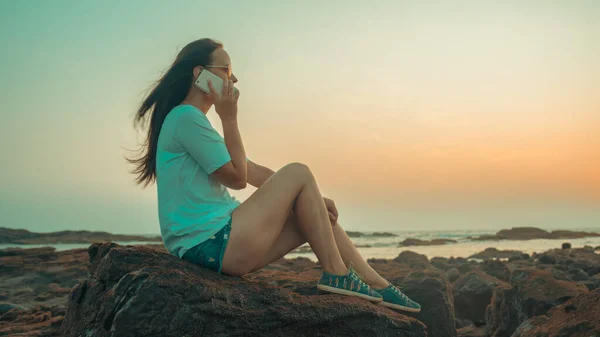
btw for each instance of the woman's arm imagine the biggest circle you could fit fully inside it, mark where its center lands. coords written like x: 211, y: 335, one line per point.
x: 257, y: 174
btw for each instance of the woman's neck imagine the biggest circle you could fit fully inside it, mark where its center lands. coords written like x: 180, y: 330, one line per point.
x: 198, y: 100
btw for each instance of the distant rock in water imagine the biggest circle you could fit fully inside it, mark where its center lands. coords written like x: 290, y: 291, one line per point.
x: 135, y: 291
x: 374, y: 234
x: 566, y: 245
x: 355, y: 234
x: 418, y: 242
x: 493, y: 253
x: 22, y: 236
x: 531, y: 233
x: 383, y: 234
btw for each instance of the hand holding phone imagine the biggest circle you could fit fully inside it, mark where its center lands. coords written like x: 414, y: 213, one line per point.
x: 226, y: 101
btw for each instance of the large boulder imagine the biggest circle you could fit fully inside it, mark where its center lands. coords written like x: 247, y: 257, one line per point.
x: 578, y: 317
x: 413, y: 260
x: 531, y: 292
x: 472, y: 294
x: 493, y: 253
x: 427, y: 286
x: 137, y: 291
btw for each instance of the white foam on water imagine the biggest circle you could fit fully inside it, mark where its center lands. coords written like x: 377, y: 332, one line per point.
x: 466, y: 248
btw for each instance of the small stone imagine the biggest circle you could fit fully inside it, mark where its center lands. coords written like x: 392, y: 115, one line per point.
x: 566, y: 245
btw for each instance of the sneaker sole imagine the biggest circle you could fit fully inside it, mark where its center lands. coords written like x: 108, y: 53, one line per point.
x: 348, y: 293
x: 399, y: 307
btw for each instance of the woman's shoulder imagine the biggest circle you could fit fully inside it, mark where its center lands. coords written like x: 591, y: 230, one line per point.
x: 189, y: 112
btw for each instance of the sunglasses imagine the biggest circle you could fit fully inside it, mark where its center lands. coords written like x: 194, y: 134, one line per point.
x: 228, y: 67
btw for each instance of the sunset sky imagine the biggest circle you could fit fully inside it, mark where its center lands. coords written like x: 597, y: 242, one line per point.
x: 413, y: 115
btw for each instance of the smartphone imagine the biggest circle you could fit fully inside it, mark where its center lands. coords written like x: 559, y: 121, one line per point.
x: 217, y: 82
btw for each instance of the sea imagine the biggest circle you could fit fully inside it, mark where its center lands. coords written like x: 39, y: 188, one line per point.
x: 386, y: 247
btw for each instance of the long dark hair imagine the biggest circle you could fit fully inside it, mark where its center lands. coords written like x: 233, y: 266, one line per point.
x: 167, y: 93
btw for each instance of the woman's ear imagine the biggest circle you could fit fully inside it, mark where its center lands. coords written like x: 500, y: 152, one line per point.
x: 197, y: 70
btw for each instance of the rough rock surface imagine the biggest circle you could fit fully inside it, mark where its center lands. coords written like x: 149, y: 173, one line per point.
x: 135, y: 291
x: 531, y: 292
x: 472, y: 294
x: 578, y: 317
x: 417, y: 278
x: 40, y: 320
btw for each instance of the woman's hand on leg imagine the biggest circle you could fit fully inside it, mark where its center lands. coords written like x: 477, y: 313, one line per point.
x: 332, y: 209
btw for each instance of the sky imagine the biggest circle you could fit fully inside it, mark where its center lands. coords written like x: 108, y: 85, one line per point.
x: 413, y: 115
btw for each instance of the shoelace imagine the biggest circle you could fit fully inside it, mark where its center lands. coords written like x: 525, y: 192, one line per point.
x: 397, y: 291
x: 359, y: 279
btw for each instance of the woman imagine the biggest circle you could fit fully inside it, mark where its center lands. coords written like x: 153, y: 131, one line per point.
x: 193, y: 167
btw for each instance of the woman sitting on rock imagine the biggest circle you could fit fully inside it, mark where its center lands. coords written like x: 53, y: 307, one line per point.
x: 193, y: 166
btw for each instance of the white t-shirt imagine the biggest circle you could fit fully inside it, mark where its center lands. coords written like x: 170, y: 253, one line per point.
x: 191, y: 206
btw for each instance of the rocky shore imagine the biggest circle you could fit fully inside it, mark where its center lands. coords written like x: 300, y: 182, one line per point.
x: 114, y: 290
x: 532, y: 233
x: 22, y: 236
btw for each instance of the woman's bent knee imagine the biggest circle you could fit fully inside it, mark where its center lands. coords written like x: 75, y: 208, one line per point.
x: 298, y: 170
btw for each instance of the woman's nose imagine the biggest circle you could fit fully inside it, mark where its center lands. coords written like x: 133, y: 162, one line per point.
x: 233, y: 78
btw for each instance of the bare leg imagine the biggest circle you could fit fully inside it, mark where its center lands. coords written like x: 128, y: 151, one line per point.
x: 258, y: 222
x: 351, y: 255
x: 313, y: 222
x: 290, y: 238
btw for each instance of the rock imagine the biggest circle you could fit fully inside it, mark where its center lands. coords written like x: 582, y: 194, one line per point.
x: 472, y: 294
x: 592, y: 283
x: 426, y: 286
x: 452, y: 274
x: 471, y: 331
x: 547, y: 259
x: 578, y: 275
x: 497, y: 269
x: 462, y: 323
x: 577, y: 317
x: 6, y: 307
x: 22, y: 236
x: 493, y: 253
x: 441, y: 263
x: 566, y: 245
x: 463, y: 265
x: 355, y: 234
x: 562, y: 234
x: 383, y: 234
x: 37, y: 321
x: 136, y: 291
x: 522, y: 257
x: 531, y: 292
x: 531, y: 233
x: 412, y: 259
x: 581, y: 258
x: 417, y: 242
x: 40, y: 276
x: 434, y: 293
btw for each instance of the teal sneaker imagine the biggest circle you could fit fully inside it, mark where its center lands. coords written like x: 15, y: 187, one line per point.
x: 350, y: 284
x: 395, y: 299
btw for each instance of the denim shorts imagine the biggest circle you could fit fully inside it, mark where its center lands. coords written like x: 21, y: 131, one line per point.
x: 209, y: 254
